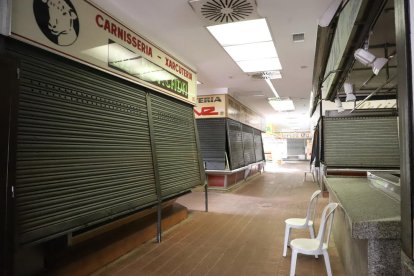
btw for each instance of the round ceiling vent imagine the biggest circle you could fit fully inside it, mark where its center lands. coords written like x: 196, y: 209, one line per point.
x: 227, y: 11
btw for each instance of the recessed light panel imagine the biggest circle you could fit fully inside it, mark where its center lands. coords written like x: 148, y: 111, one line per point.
x: 260, y: 65
x: 251, y: 51
x: 281, y: 104
x: 241, y: 32
x: 249, y: 44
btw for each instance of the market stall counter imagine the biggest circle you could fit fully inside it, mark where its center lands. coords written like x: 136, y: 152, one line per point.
x: 366, y: 227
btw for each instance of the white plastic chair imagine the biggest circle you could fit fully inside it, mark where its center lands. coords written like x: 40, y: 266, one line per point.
x: 302, y: 223
x: 318, y: 246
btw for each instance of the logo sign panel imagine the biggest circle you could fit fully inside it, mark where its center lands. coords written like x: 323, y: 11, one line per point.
x: 210, y: 106
x: 78, y: 30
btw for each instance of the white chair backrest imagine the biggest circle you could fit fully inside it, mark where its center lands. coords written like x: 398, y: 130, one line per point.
x: 324, y: 232
x: 310, y: 213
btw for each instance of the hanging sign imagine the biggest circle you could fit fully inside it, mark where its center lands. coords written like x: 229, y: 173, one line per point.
x: 78, y: 30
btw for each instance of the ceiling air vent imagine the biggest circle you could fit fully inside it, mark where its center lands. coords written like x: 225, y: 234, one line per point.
x: 214, y: 12
x: 300, y: 37
x: 267, y: 75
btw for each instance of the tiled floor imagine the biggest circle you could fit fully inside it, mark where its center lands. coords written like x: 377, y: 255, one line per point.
x: 242, y: 234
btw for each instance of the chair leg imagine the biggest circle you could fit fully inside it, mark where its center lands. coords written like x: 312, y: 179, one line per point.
x: 312, y: 234
x: 287, y: 233
x: 327, y: 262
x: 312, y: 231
x: 293, y: 262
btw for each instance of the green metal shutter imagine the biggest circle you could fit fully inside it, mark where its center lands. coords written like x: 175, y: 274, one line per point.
x: 248, y: 145
x: 83, y: 148
x: 212, y: 135
x: 258, y: 145
x: 235, y: 142
x: 361, y: 142
x: 176, y: 147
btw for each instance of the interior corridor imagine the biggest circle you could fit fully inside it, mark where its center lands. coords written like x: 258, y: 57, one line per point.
x: 242, y: 234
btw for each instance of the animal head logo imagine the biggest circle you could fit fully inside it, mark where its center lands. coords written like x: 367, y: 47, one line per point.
x: 58, y: 20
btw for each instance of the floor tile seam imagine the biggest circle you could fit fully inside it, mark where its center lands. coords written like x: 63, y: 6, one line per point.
x: 239, y: 233
x: 176, y: 252
x: 142, y: 247
x: 212, y: 237
x: 175, y: 243
x: 202, y: 223
x: 178, y: 243
x: 207, y: 253
x: 252, y: 230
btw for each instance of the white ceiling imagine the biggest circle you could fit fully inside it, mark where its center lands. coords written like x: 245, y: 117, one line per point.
x: 175, y: 27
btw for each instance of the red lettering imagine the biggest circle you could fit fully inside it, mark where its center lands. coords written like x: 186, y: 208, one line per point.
x: 120, y: 33
x: 134, y: 41
x: 99, y: 20
x: 128, y: 40
x: 206, y: 111
x: 107, y: 26
x: 113, y: 29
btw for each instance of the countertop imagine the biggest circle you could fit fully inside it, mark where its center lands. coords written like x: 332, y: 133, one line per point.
x: 372, y: 214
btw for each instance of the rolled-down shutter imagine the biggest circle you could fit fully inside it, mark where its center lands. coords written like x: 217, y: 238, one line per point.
x: 258, y: 145
x: 175, y: 141
x: 212, y: 135
x: 83, y: 148
x: 248, y: 145
x: 361, y: 142
x: 296, y: 147
x: 235, y: 142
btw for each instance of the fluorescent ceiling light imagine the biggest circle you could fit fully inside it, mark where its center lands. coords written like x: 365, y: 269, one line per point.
x: 281, y: 104
x: 242, y: 32
x: 251, y: 51
x: 249, y: 43
x: 272, y: 87
x: 268, y: 64
x: 199, y: 82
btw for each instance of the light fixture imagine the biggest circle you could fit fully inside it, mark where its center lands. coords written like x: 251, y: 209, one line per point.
x: 349, y: 91
x: 256, y: 65
x: 249, y: 43
x: 338, y: 104
x: 269, y: 82
x: 281, y: 104
x: 242, y: 32
x: 368, y: 59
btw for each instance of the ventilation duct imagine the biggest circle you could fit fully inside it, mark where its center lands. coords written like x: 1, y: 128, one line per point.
x: 267, y: 75
x: 214, y: 12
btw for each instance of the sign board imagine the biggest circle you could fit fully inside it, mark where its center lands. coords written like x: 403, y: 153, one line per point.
x: 292, y: 135
x: 79, y: 30
x: 210, y: 106
x: 220, y: 106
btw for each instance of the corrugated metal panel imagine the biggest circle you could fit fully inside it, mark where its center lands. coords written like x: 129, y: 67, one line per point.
x: 83, y: 149
x: 248, y: 145
x: 212, y: 135
x: 258, y: 145
x: 361, y: 142
x: 296, y: 146
x: 235, y: 142
x: 175, y: 142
